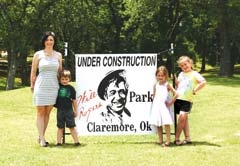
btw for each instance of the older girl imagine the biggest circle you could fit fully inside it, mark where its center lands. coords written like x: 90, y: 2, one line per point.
x: 188, y: 83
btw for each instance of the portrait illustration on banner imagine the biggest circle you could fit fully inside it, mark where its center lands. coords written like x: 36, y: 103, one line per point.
x: 113, y: 90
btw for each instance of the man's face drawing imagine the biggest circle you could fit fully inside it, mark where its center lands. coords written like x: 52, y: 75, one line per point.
x: 116, y: 95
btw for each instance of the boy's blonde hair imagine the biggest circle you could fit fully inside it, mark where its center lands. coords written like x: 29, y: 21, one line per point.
x: 162, y: 69
x: 65, y: 73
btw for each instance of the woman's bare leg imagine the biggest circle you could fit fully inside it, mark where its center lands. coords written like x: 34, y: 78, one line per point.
x: 40, y: 124
x: 46, y: 117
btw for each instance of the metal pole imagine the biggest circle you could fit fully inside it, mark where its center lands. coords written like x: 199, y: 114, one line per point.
x: 65, y: 48
x: 173, y: 72
x: 171, y: 50
x: 63, y: 136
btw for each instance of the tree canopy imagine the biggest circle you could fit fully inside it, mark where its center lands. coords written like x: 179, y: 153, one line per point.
x: 206, y: 30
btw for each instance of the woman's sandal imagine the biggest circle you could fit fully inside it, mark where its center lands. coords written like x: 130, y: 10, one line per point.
x: 39, y: 140
x: 178, y: 143
x: 43, y: 144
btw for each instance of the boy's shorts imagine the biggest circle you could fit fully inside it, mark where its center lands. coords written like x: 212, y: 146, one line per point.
x: 182, y: 105
x: 65, y: 117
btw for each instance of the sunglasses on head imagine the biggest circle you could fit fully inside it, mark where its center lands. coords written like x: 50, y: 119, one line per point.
x: 50, y: 33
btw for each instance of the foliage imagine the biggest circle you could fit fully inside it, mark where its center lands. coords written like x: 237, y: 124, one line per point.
x: 123, y: 26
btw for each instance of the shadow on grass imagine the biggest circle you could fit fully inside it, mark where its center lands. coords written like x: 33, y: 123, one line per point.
x: 124, y: 142
x: 66, y: 145
x: 194, y: 143
x: 201, y: 143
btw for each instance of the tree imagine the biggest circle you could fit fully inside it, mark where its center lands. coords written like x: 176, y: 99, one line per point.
x: 224, y: 41
x: 13, y: 16
x: 201, y: 29
x: 21, y: 20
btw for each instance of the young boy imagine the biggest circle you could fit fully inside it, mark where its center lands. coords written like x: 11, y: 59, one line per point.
x: 66, y: 108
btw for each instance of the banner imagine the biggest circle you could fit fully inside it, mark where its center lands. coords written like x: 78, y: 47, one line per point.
x: 114, y: 93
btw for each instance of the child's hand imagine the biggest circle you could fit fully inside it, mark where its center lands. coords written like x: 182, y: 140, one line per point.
x: 194, y: 92
x: 75, y: 113
x: 168, y: 104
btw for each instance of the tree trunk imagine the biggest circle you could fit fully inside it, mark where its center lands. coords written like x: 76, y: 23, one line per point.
x: 234, y: 53
x: 203, y: 66
x: 204, y: 52
x: 24, y: 69
x: 11, y: 70
x: 225, y: 57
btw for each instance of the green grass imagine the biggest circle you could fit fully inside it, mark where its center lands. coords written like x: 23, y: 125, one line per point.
x: 214, y: 126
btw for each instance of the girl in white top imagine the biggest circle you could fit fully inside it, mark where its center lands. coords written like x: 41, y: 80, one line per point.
x: 161, y: 112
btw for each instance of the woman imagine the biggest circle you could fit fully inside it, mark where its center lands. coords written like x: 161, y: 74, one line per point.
x: 46, y: 65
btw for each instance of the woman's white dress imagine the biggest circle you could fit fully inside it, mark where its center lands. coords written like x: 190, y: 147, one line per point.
x: 46, y: 85
x: 160, y: 114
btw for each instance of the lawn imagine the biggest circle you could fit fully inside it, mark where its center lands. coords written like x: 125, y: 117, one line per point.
x: 214, y: 126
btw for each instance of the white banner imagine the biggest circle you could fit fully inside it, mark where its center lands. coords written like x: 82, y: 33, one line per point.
x: 114, y: 93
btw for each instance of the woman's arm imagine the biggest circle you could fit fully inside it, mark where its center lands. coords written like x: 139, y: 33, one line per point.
x: 60, y: 62
x: 34, y: 68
